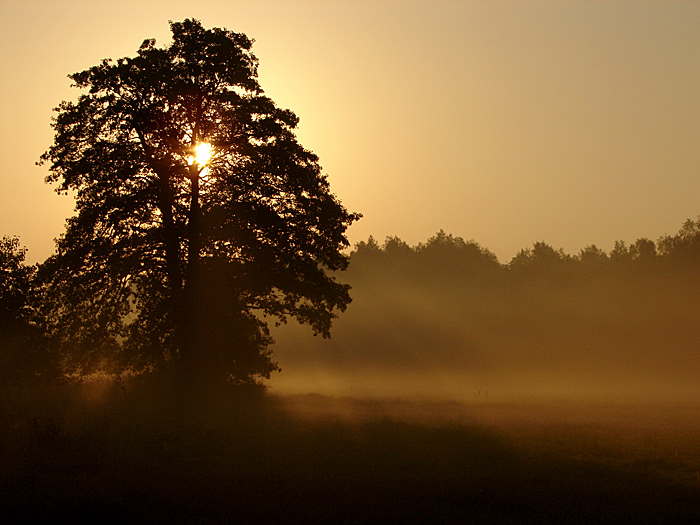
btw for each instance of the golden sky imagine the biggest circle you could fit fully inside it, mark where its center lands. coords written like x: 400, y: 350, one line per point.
x: 509, y: 122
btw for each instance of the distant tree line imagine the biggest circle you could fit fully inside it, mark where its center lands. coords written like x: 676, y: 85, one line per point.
x: 603, y: 299
x: 447, y: 307
x: 444, y: 256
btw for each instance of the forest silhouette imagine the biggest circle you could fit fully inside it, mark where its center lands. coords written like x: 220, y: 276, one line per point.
x: 547, y: 325
x: 134, y: 361
x: 448, y: 319
x: 589, y: 325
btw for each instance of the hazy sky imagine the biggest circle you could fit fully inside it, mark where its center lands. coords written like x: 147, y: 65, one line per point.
x: 506, y: 122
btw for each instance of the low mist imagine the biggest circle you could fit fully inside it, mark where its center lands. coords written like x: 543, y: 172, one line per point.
x: 435, y: 401
x: 446, y: 320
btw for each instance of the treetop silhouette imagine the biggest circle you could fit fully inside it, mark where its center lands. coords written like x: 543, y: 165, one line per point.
x: 169, y: 257
x: 23, y: 355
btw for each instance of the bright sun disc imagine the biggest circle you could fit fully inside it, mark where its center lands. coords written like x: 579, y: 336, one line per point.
x: 202, y: 154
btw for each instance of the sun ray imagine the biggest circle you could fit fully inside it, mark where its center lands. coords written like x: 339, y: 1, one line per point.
x: 202, y: 154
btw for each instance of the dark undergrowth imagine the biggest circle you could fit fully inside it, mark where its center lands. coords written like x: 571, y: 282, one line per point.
x: 107, y: 455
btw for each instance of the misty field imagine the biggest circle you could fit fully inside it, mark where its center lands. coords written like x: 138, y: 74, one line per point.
x: 100, y: 454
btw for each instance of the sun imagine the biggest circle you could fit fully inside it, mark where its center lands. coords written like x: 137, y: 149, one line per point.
x: 202, y: 154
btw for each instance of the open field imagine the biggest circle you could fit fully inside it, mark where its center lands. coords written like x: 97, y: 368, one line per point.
x: 314, y: 459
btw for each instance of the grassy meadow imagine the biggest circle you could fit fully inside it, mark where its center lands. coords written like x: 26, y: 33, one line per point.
x: 97, y: 453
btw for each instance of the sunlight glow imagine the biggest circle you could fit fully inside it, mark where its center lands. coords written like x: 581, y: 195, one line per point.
x: 203, y: 154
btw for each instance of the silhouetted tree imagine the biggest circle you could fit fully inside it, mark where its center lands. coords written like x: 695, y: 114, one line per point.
x: 620, y: 252
x: 396, y: 248
x: 22, y: 346
x: 368, y: 249
x: 541, y: 260
x: 447, y: 256
x: 684, y: 246
x: 172, y: 255
x: 592, y: 256
x: 643, y: 249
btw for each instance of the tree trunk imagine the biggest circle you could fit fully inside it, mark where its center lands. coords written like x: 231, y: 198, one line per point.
x: 190, y: 325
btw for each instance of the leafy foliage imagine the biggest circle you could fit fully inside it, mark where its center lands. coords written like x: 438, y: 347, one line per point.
x: 442, y: 257
x: 166, y: 257
x: 22, y: 350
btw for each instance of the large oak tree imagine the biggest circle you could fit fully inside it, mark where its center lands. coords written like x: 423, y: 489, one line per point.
x: 173, y: 257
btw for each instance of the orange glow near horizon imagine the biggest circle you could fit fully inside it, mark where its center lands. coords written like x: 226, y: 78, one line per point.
x: 572, y: 123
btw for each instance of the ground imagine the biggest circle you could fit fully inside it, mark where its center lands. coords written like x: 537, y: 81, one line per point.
x: 315, y: 459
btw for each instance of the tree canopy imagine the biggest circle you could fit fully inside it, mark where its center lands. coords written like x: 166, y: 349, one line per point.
x: 197, y: 214
x: 22, y: 351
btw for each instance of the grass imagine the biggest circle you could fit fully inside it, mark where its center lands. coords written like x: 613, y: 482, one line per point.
x: 313, y: 459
